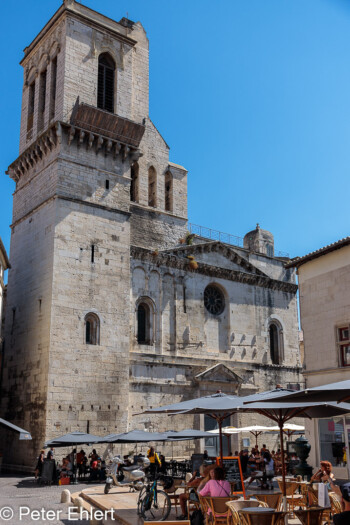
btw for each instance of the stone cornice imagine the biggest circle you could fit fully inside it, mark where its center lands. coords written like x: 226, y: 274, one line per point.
x: 53, y: 137
x: 180, y: 263
x: 217, y: 246
x: 137, y: 358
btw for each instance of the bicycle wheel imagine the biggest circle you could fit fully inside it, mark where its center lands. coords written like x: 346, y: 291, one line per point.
x: 156, y: 509
x: 140, y: 499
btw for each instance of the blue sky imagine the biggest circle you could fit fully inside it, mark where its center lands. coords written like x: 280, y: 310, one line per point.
x: 253, y: 97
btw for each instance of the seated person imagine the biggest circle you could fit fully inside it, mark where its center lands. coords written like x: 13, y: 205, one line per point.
x: 344, y: 517
x: 66, y: 468
x: 198, y: 480
x: 217, y: 486
x: 324, y: 473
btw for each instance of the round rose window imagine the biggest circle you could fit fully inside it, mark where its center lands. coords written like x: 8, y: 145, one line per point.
x: 214, y: 300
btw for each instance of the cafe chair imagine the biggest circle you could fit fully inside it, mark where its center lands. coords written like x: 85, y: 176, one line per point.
x: 273, y: 518
x: 236, y: 505
x: 215, y: 509
x: 293, y: 500
x: 273, y: 501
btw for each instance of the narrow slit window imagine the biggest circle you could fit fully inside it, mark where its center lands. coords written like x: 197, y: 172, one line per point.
x: 152, y: 187
x: 105, y: 82
x: 92, y: 253
x: 53, y: 88
x: 31, y: 102
x: 134, y: 184
x: 42, y: 100
x: 107, y: 184
x: 168, y: 192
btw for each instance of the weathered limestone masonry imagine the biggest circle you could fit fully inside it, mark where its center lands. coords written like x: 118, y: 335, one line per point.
x: 110, y: 309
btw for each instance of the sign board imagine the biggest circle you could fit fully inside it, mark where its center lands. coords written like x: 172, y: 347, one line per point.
x: 197, y: 461
x: 233, y: 469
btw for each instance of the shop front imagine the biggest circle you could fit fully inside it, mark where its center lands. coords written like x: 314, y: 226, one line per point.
x: 329, y: 438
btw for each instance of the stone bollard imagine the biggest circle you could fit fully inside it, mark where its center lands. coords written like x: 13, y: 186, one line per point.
x: 65, y: 496
x: 79, y: 503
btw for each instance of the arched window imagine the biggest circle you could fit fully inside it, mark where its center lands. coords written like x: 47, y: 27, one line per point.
x: 105, y: 85
x: 92, y: 329
x: 276, y: 343
x: 152, y: 187
x: 134, y: 185
x: 143, y: 324
x: 168, y: 191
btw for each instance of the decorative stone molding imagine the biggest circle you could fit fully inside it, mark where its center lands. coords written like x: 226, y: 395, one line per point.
x: 54, y: 136
x: 171, y: 260
x: 217, y: 247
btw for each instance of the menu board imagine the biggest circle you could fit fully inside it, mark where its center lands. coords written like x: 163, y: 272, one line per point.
x: 233, y: 470
x: 197, y: 462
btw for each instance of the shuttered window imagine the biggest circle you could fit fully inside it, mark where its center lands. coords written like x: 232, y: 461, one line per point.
x: 105, y: 87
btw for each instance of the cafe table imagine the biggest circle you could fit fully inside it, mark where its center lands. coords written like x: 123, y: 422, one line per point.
x: 261, y: 516
x: 311, y: 516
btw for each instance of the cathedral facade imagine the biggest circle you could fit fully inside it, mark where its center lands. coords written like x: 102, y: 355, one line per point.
x: 112, y: 305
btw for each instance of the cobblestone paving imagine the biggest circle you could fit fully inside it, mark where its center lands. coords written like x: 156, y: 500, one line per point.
x: 17, y: 494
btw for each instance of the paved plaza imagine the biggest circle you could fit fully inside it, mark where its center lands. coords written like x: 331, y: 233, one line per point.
x: 20, y: 493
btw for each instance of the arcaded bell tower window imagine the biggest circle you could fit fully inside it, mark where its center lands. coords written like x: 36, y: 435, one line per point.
x: 106, y: 82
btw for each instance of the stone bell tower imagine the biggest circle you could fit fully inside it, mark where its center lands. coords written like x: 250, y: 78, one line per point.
x: 92, y: 174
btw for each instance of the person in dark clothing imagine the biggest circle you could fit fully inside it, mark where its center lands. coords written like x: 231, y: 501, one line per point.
x: 344, y: 517
x: 243, y: 456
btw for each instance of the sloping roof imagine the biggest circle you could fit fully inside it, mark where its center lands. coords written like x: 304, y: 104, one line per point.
x: 299, y: 261
x: 3, y: 251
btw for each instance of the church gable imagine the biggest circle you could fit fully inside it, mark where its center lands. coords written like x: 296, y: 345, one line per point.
x: 218, y: 255
x: 219, y: 373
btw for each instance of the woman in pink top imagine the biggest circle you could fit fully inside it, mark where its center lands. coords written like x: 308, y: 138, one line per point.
x: 217, y: 487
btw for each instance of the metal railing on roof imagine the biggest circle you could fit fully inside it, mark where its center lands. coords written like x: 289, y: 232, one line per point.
x: 227, y: 238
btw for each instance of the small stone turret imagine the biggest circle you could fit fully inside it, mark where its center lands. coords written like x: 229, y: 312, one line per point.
x: 260, y: 241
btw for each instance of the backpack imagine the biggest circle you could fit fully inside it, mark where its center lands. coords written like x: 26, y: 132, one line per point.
x: 197, y: 517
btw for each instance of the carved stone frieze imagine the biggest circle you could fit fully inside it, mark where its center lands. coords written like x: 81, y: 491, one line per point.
x: 171, y: 260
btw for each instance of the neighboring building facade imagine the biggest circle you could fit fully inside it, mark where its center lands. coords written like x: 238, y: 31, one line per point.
x: 113, y: 310
x: 4, y: 265
x: 324, y: 288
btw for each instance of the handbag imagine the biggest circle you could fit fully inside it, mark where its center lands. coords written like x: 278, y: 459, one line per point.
x: 193, y: 496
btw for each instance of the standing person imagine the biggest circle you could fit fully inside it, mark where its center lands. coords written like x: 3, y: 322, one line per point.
x: 93, y: 456
x: 244, y: 458
x: 50, y: 453
x: 155, y: 462
x: 39, y: 464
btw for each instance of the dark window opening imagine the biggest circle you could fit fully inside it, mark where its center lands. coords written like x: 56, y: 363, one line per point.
x: 53, y: 87
x: 274, y: 346
x: 105, y: 84
x: 134, y: 184
x: 42, y: 100
x: 107, y: 184
x: 92, y: 329
x: 168, y: 192
x: 152, y: 187
x: 143, y: 324
x: 31, y: 103
x: 92, y: 253
x: 88, y: 333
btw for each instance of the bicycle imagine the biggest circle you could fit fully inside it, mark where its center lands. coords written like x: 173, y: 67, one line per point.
x: 153, y: 504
